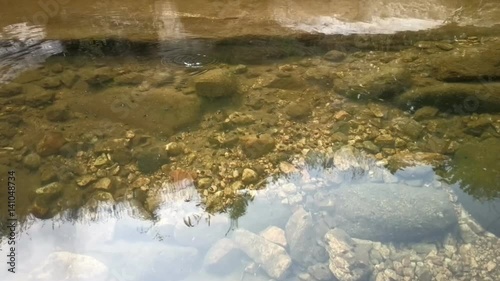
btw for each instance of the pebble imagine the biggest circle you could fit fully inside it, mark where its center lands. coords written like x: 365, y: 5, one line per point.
x: 490, y: 266
x: 51, y: 189
x: 85, y: 180
x: 341, y: 115
x: 204, y: 183
x: 444, y: 46
x: 174, y: 148
x: 32, y: 161
x: 101, y: 160
x: 140, y: 182
x: 287, y: 168
x: 104, y: 184
x: 249, y: 176
x: 50, y: 144
x: 257, y: 146
x: 334, y: 56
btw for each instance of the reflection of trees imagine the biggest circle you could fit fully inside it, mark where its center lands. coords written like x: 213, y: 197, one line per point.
x: 476, y: 185
x: 475, y: 168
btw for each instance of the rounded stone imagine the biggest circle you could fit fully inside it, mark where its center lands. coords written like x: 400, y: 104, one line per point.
x: 335, y: 56
x: 50, y: 143
x: 32, y: 161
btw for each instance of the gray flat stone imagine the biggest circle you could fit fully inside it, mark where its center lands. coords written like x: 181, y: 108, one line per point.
x: 392, y: 212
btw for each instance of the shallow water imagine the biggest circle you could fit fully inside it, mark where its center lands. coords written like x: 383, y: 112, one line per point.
x: 344, y: 156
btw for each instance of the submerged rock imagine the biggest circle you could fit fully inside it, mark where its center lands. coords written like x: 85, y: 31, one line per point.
x: 273, y: 258
x: 456, y: 97
x: 257, y: 146
x: 334, y: 56
x: 344, y: 263
x: 468, y: 64
x: 10, y: 90
x: 383, y: 82
x: 222, y: 257
x: 300, y: 235
x: 392, y: 212
x: 50, y: 144
x: 70, y: 266
x: 216, y: 83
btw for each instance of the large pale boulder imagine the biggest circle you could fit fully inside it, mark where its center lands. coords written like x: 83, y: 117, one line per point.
x: 392, y: 212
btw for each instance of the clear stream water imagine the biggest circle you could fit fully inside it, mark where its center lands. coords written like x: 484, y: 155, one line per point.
x: 151, y: 142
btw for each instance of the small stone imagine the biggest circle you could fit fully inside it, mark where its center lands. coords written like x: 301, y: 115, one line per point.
x: 237, y: 185
x: 426, y: 112
x: 298, y: 110
x: 216, y: 83
x: 490, y: 266
x: 85, y: 180
x: 377, y: 110
x: 129, y: 134
x: 174, y: 148
x: 384, y: 140
x: 400, y: 143
x: 140, y: 182
x: 50, y: 144
x: 104, y: 183
x: 334, y: 56
x: 287, y: 168
x: 240, y: 69
x: 101, y: 160
x: 257, y: 146
x: 341, y: 115
x: 204, y: 183
x: 370, y: 147
x: 50, y: 190
x: 32, y: 161
x: 275, y: 235
x: 408, y: 127
x: 444, y: 46
x: 249, y: 176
